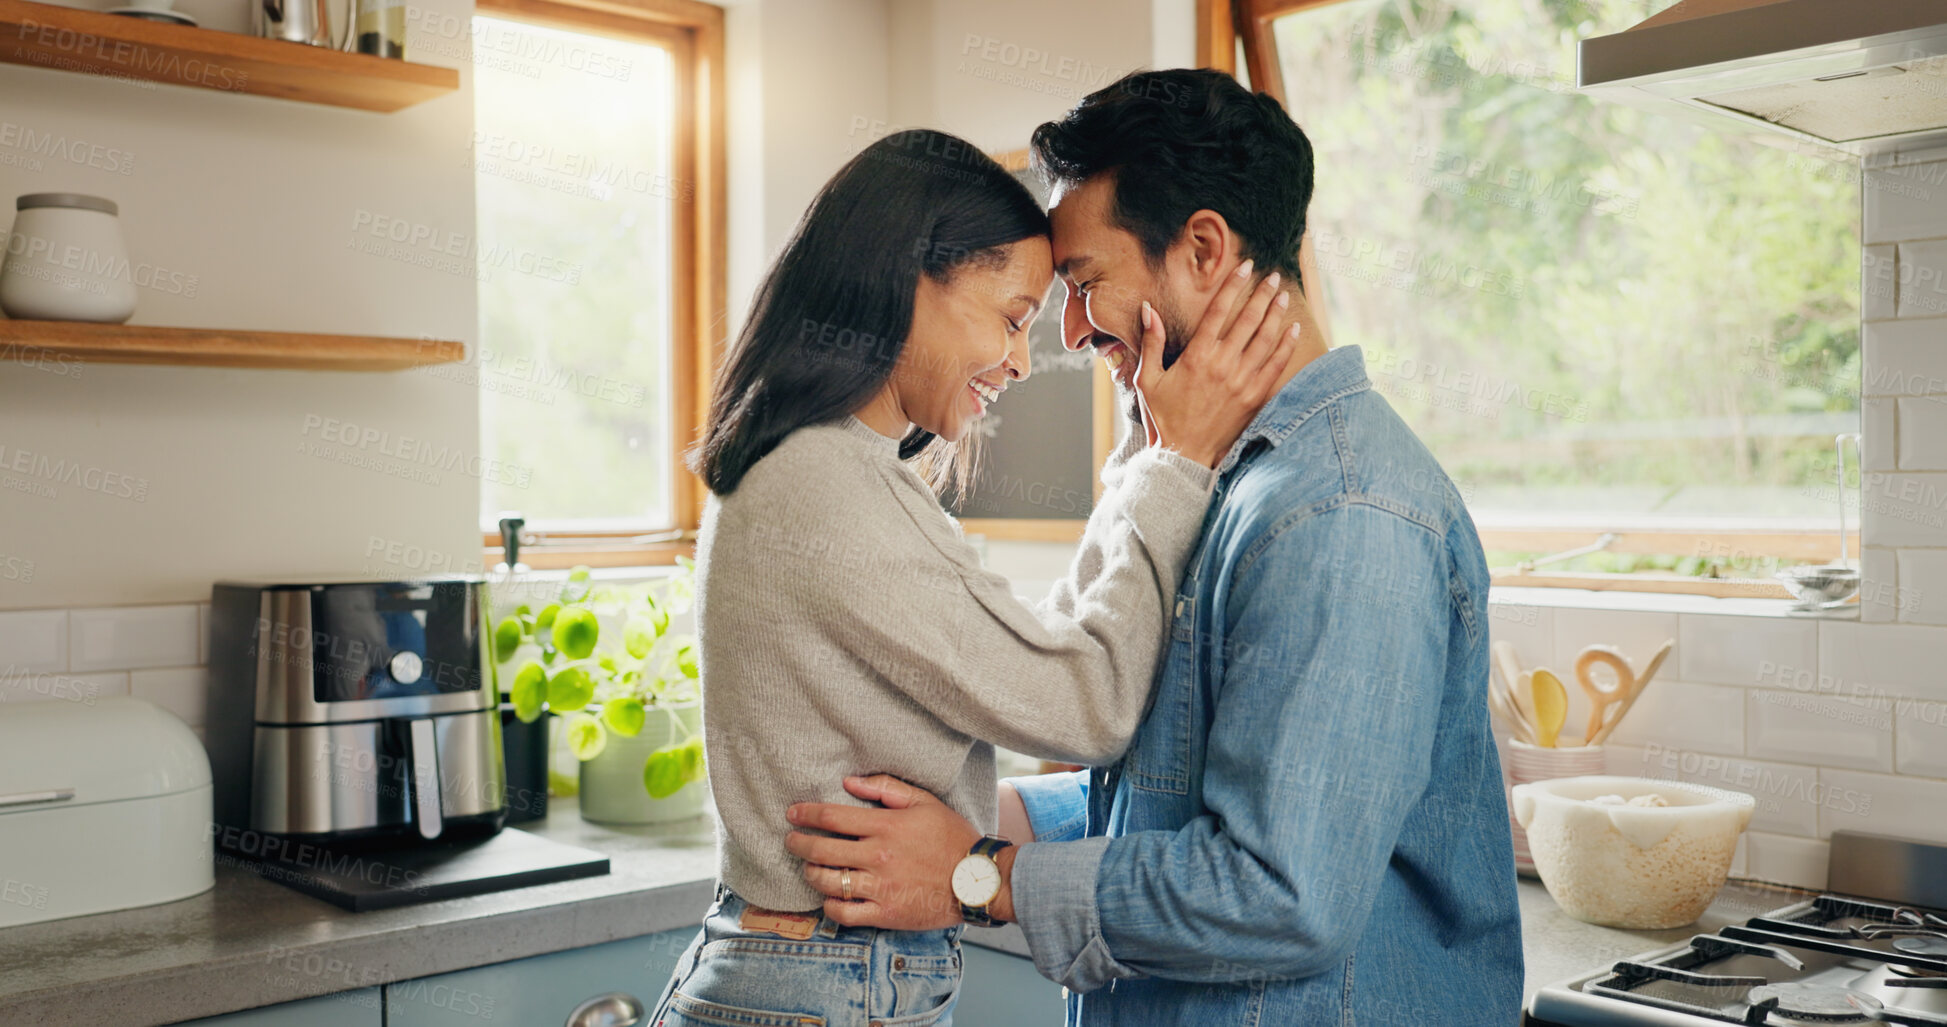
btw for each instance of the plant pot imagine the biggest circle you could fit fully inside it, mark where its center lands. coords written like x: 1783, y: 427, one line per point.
x: 612, y: 791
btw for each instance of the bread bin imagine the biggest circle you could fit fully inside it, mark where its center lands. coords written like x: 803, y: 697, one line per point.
x: 66, y: 261
x: 103, y: 806
x: 1629, y: 866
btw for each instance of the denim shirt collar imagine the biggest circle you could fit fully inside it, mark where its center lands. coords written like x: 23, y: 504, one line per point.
x: 1335, y: 374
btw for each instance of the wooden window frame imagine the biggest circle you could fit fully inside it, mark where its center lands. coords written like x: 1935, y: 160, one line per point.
x: 1224, y: 27
x: 693, y: 33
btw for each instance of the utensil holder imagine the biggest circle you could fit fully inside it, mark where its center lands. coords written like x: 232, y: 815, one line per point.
x: 1530, y: 763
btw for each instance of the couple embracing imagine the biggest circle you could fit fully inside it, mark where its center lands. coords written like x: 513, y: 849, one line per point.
x: 1270, y: 650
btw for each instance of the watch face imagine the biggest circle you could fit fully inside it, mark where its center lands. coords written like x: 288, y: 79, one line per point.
x: 976, y: 880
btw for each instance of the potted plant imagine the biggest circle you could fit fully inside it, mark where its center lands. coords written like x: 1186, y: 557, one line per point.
x: 626, y: 695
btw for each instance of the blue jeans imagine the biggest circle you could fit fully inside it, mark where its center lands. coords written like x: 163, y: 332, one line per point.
x: 838, y: 977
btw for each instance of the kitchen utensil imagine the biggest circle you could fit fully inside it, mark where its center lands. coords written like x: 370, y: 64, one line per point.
x: 1600, y: 698
x: 1524, y: 702
x: 1634, y: 867
x: 1823, y: 586
x: 1550, y: 705
x: 311, y: 22
x: 66, y: 261
x: 1497, y: 700
x: 1510, y: 667
x: 1622, y: 708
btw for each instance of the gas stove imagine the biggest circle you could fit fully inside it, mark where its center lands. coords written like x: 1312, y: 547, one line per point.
x: 1875, y: 951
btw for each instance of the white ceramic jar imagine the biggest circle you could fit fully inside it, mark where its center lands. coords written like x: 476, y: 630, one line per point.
x: 66, y: 261
x: 1631, y: 866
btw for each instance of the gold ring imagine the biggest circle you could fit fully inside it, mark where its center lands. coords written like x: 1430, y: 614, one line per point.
x: 845, y: 884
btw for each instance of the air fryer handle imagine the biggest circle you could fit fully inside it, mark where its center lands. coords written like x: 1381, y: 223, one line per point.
x: 424, y: 758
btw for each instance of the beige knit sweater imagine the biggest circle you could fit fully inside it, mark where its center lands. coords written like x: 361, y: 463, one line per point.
x: 848, y: 628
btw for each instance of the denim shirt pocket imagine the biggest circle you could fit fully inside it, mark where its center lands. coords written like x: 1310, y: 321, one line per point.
x: 1159, y: 761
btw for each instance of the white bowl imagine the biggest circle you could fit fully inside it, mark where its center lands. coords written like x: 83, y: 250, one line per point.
x: 1636, y: 867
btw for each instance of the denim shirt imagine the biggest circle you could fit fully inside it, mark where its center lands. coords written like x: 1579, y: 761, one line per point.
x: 1309, y: 827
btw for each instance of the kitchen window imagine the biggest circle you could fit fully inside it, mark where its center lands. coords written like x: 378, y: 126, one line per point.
x: 598, y: 181
x: 1602, y: 321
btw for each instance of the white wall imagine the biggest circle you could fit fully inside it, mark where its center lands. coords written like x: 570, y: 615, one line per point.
x: 256, y: 202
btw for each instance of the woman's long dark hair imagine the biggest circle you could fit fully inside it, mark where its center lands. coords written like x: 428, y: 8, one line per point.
x: 832, y: 316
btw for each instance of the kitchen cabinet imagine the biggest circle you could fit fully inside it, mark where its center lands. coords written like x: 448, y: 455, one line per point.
x: 1003, y: 990
x: 361, y: 1008
x: 541, y: 990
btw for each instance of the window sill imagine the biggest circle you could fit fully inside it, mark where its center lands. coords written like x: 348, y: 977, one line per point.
x: 1661, y: 602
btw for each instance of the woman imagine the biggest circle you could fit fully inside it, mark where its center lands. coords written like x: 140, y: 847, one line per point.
x: 846, y: 625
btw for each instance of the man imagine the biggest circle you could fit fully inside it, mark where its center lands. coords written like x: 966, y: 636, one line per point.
x: 1309, y: 827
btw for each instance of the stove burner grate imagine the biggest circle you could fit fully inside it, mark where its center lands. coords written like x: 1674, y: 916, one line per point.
x: 1805, y: 1001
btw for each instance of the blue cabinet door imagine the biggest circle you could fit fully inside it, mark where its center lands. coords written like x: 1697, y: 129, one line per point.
x: 346, y: 1009
x: 1002, y: 990
x: 538, y: 991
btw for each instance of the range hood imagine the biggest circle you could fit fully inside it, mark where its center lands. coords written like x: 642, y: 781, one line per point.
x: 1864, y: 77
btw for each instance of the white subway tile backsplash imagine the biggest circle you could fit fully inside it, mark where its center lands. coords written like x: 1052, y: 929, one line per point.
x: 1830, y: 730
x: 1783, y: 859
x: 1923, y: 433
x: 35, y: 686
x: 1879, y: 438
x: 33, y: 640
x: 1743, y: 650
x: 1908, y: 807
x: 1920, y: 736
x: 1879, y: 594
x: 1897, y: 659
x: 1878, y: 282
x: 1903, y: 202
x: 1923, y: 586
x: 1905, y: 358
x: 1676, y: 715
x: 183, y: 691
x: 1901, y: 509
x: 1922, y: 274
x: 1787, y: 795
x: 127, y: 637
x: 202, y: 632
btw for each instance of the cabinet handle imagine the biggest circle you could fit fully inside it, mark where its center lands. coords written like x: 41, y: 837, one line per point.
x: 615, y: 1009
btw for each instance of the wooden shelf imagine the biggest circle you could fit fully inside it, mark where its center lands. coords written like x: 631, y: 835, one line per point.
x: 75, y: 341
x: 45, y: 36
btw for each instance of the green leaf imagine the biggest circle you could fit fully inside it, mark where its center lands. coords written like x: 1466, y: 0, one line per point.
x: 507, y: 638
x: 575, y: 631
x: 686, y: 661
x: 663, y: 774
x: 546, y: 619
x: 639, y: 636
x: 570, y: 689
x: 529, y: 691
x: 586, y: 739
x: 577, y: 587
x: 578, y: 573
x: 623, y: 716
x: 691, y: 753
x: 563, y: 785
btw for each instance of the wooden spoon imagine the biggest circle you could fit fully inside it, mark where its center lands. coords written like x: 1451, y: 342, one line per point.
x: 1551, y: 706
x: 1601, y: 698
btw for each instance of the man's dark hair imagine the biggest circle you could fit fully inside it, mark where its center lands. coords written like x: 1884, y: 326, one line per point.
x: 1185, y: 140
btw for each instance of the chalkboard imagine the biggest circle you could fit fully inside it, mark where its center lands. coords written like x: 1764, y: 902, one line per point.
x: 1038, y: 460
